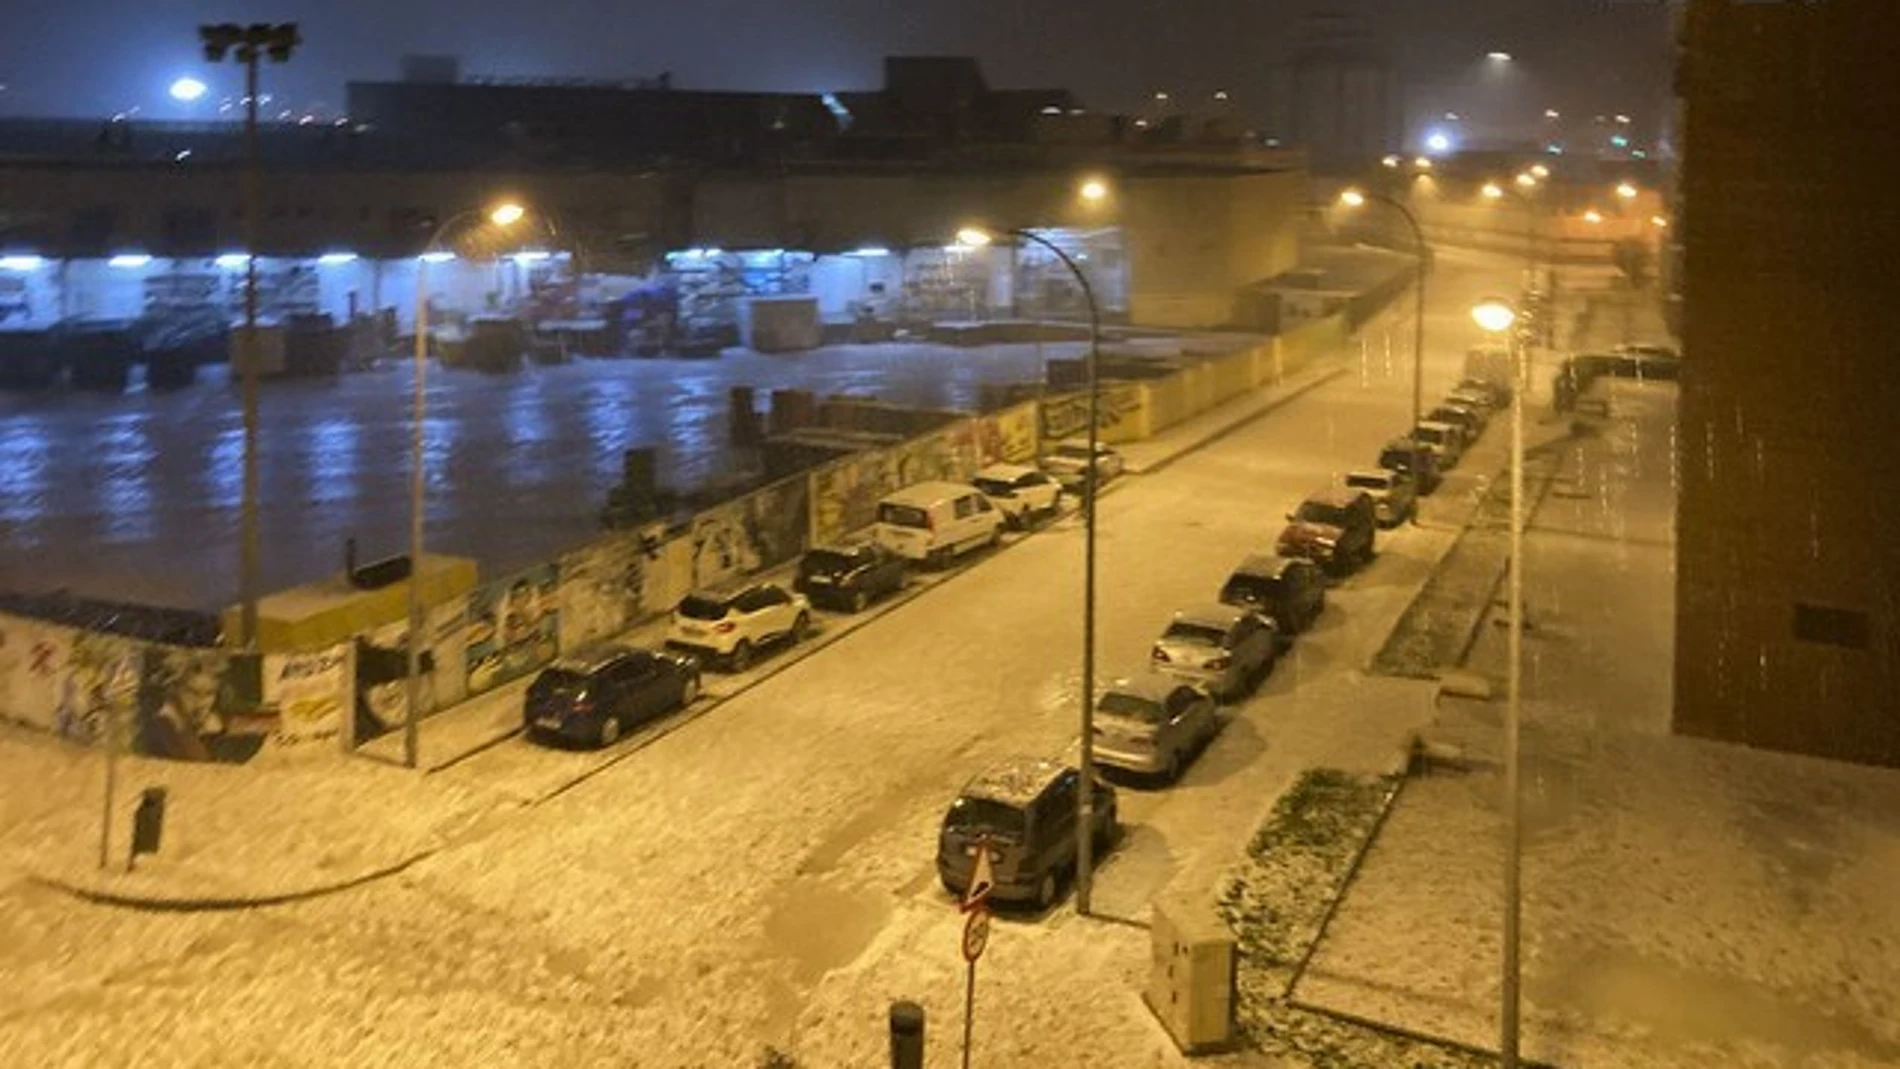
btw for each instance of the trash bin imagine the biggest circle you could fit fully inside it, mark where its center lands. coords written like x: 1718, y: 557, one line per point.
x: 907, y: 1035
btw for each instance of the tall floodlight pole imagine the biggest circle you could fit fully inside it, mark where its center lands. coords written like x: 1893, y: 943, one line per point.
x: 502, y: 216
x: 1499, y: 317
x: 1354, y: 198
x: 249, y: 44
x: 1085, y: 797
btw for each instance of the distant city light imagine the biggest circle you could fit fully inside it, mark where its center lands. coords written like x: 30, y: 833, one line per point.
x: 1492, y: 191
x: 1540, y: 170
x: 1220, y: 94
x: 507, y: 214
x: 1620, y: 141
x: 187, y: 89
x: 1423, y: 163
x: 181, y: 155
x: 22, y: 263
x: 1552, y: 113
x: 1161, y: 97
x: 1554, y: 149
x: 1438, y: 141
x: 437, y: 257
x: 1626, y: 190
x: 1494, y: 314
x: 1659, y: 222
x: 1498, y: 57
x: 532, y: 256
x: 1623, y: 120
x: 971, y: 237
x: 1051, y: 109
x: 1094, y: 190
x: 1527, y: 180
x: 1451, y: 116
x: 130, y: 259
x: 1593, y: 217
x: 232, y: 259
x: 333, y: 259
x: 1390, y: 161
x: 869, y: 251
x: 1352, y: 198
x: 1638, y: 154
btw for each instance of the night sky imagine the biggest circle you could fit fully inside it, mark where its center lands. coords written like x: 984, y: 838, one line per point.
x: 96, y: 57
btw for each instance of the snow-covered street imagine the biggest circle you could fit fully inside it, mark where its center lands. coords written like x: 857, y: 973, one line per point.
x: 763, y: 876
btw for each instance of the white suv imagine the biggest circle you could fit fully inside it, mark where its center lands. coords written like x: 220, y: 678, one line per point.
x: 1024, y: 494
x: 731, y: 623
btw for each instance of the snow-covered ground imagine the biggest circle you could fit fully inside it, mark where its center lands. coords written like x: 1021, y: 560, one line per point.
x: 1686, y: 903
x: 763, y: 876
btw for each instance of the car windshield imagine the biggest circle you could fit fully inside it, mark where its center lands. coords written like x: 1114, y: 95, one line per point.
x: 1318, y: 512
x: 1116, y: 703
x: 995, y: 487
x: 1073, y: 452
x: 985, y: 816
x: 1430, y: 434
x: 1370, y: 482
x: 1193, y: 634
x: 694, y: 607
x: 827, y: 562
x: 902, y: 515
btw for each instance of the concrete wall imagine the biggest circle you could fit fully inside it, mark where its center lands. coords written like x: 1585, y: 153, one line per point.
x: 1193, y: 242
x: 1788, y: 579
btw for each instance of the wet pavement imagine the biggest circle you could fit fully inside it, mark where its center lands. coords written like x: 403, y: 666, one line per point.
x: 136, y: 497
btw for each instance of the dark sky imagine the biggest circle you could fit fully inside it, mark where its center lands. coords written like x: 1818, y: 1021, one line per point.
x: 94, y: 57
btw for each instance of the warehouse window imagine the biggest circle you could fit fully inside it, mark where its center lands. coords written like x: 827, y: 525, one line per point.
x: 1832, y: 627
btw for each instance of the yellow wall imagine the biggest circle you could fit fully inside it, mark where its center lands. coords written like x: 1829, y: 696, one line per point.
x: 1194, y: 241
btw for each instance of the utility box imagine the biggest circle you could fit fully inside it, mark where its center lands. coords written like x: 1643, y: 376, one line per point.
x: 1192, y: 985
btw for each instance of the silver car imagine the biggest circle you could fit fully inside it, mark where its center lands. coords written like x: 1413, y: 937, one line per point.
x: 1153, y: 724
x: 1227, y: 648
x: 1394, y: 495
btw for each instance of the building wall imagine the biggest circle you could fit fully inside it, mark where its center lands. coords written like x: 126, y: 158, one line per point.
x: 1788, y: 602
x: 1194, y: 242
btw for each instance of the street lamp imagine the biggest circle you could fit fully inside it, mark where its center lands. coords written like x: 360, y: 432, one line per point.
x: 1354, y: 198
x: 1626, y: 191
x: 1094, y: 190
x: 1592, y: 216
x: 1495, y: 315
x: 502, y: 216
x: 977, y: 237
x: 248, y: 45
x: 187, y: 89
x: 1492, y: 191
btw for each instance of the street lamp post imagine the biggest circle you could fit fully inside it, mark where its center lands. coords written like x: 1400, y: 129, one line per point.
x: 249, y: 44
x: 1353, y: 198
x: 502, y: 216
x: 1498, y: 316
x: 1085, y: 797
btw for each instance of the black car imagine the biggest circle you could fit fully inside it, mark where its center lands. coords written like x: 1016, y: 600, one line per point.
x: 1402, y: 454
x: 849, y: 575
x: 1465, y: 417
x: 1290, y: 591
x: 594, y: 696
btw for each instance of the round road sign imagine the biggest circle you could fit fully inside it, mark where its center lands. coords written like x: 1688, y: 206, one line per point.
x: 976, y: 934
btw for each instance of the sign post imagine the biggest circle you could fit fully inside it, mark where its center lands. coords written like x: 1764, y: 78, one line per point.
x: 976, y: 934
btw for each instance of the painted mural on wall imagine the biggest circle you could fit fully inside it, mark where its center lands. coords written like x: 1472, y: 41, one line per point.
x: 1010, y: 434
x: 1067, y: 416
x: 310, y: 692
x: 99, y: 688
x: 513, y: 627
x: 604, y: 587
x: 845, y: 493
x: 186, y: 711
x: 33, y: 659
x: 761, y: 529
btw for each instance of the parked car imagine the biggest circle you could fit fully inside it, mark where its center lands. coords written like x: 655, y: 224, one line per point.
x: 1290, y: 591
x: 1024, y: 495
x: 849, y: 575
x: 1226, y: 648
x: 1493, y: 395
x: 1445, y: 439
x: 1475, y: 398
x: 1153, y: 724
x: 933, y: 522
x: 1069, y: 460
x: 1403, y: 454
x: 1394, y: 494
x: 1024, y: 812
x: 1490, y: 364
x: 1469, y: 421
x: 730, y: 624
x: 595, y: 695
x: 1333, y: 528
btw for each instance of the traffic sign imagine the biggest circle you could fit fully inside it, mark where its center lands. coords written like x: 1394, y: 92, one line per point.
x: 976, y: 934
x: 982, y: 877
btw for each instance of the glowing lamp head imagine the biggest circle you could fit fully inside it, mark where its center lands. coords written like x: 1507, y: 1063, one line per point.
x: 1352, y: 198
x: 971, y: 237
x: 1438, y: 142
x: 1626, y: 191
x: 1423, y: 163
x: 1094, y: 191
x: 507, y: 214
x: 187, y: 89
x: 1494, y: 315
x: 1390, y: 161
x: 1526, y: 180
x: 1492, y: 191
x: 1593, y: 217
x: 1540, y: 171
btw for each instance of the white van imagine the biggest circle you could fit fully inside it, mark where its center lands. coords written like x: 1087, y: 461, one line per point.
x: 933, y: 522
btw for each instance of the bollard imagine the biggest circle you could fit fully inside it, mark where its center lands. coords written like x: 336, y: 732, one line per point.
x: 907, y: 1035
x: 148, y: 824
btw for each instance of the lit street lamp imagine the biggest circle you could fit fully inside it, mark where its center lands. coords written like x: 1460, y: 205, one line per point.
x: 503, y: 215
x: 187, y: 89
x: 1626, y: 190
x: 1353, y: 198
x: 976, y: 237
x: 248, y: 45
x: 1497, y: 316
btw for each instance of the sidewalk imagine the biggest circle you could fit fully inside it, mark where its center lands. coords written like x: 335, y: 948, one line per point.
x: 303, y: 826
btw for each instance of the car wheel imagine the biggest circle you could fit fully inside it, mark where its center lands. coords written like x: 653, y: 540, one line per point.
x: 740, y: 658
x: 1046, y: 890
x: 689, y: 693
x: 801, y: 627
x: 859, y: 599
x: 609, y: 731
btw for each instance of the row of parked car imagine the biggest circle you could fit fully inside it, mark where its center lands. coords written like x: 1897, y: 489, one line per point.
x: 1154, y: 722
x: 595, y: 696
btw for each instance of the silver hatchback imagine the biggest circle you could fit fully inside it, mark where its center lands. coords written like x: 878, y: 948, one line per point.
x: 1153, y: 724
x: 1227, y: 648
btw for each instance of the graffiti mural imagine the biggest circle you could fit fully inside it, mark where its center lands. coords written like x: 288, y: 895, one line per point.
x: 844, y: 494
x: 513, y: 627
x: 763, y: 528
x: 310, y: 692
x: 604, y: 587
x: 100, y: 689
x: 1009, y: 435
x: 1067, y: 416
x: 33, y: 659
x: 183, y: 704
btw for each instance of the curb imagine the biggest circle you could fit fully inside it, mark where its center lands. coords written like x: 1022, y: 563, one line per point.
x: 1216, y: 435
x: 222, y: 904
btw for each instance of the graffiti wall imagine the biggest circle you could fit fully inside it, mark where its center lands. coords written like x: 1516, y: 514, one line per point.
x: 604, y: 587
x: 1120, y: 418
x: 187, y: 710
x: 759, y: 530
x: 1010, y: 434
x: 310, y: 692
x: 514, y: 627
x: 33, y: 659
